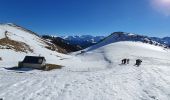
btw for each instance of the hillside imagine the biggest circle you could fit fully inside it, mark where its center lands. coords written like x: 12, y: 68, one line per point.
x: 63, y: 43
x: 95, y: 74
x: 16, y: 42
x: 122, y: 36
x: 164, y: 40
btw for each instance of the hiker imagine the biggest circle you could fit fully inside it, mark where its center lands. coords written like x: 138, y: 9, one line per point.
x: 123, y: 61
x: 138, y: 62
x: 128, y: 61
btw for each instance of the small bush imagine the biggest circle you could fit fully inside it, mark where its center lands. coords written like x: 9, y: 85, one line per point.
x: 49, y: 67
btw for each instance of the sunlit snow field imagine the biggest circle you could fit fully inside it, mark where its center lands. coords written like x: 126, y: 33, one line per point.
x: 96, y: 74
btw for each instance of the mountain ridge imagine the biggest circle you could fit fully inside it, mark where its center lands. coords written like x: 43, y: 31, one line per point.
x: 94, y: 74
x: 122, y: 36
x: 75, y: 43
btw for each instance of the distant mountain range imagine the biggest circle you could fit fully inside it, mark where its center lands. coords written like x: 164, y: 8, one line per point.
x: 66, y: 44
x: 62, y: 43
x: 165, y: 40
x: 83, y: 40
x: 75, y: 43
x: 122, y: 36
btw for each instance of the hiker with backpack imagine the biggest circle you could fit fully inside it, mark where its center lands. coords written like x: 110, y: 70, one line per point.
x: 125, y: 61
x: 138, y: 62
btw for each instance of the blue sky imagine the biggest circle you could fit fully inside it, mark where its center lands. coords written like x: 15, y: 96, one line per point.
x: 77, y: 17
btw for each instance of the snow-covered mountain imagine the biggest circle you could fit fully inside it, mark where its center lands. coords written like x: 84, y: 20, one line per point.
x: 95, y: 74
x: 122, y: 36
x: 165, y: 40
x: 88, y: 40
x: 18, y: 41
x: 83, y: 41
x: 63, y: 43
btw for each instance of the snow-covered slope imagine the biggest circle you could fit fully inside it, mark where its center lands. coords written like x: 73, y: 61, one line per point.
x: 95, y: 75
x: 16, y: 42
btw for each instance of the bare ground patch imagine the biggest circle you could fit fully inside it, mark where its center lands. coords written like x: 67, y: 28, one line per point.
x: 53, y: 47
x: 47, y: 67
x: 52, y: 66
x: 6, y: 43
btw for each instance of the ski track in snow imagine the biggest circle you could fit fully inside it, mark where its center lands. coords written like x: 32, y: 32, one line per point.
x: 124, y: 82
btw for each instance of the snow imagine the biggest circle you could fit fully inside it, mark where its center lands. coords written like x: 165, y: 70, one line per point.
x: 35, y: 43
x: 2, y: 33
x: 94, y: 75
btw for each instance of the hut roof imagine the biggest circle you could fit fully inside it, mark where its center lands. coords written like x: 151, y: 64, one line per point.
x: 33, y: 59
